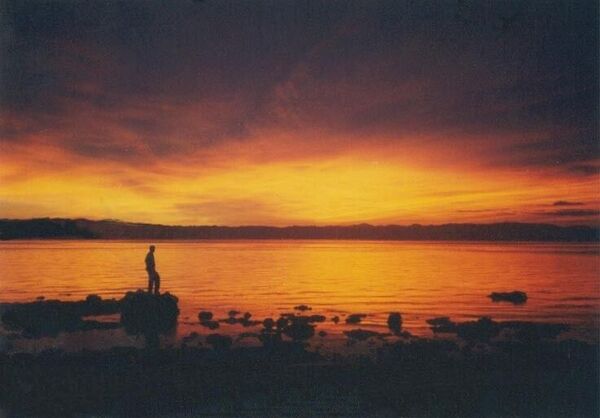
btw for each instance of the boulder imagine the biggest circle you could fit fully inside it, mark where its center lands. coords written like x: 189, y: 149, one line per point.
x: 205, y: 316
x: 219, y: 342
x: 146, y: 313
x: 363, y: 334
x: 355, y: 318
x: 395, y: 323
x: 50, y: 317
x: 516, y: 297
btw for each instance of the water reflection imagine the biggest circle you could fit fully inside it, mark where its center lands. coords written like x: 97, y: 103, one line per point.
x: 336, y: 278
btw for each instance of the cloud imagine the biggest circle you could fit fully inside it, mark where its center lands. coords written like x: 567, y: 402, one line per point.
x: 572, y: 213
x: 147, y: 96
x: 567, y: 203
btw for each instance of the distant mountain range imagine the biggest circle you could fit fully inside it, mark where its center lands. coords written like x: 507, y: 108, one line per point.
x: 56, y: 228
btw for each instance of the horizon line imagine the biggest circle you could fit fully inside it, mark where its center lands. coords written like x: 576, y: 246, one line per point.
x: 597, y: 226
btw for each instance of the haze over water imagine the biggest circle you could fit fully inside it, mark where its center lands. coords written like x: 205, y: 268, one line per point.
x: 419, y: 279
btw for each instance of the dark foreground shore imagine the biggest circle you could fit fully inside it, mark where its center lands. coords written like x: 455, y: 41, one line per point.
x: 482, y: 368
x: 421, y: 378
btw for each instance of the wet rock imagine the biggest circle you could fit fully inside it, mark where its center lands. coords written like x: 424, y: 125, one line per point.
x: 190, y: 338
x: 299, y: 330
x: 205, y: 316
x: 243, y: 321
x: 322, y: 334
x: 245, y: 335
x: 143, y: 313
x: 442, y: 324
x: 219, y: 342
x: 247, y: 316
x: 50, y: 317
x: 270, y: 336
x: 335, y: 319
x: 485, y: 329
x: 395, y: 323
x: 233, y: 313
x: 212, y: 325
x: 534, y: 331
x: 316, y: 318
x: 516, y: 297
x: 282, y: 322
x: 355, y: 318
x: 482, y: 330
x: 302, y: 308
x: 246, y: 322
x: 268, y: 323
x: 363, y: 334
x: 93, y: 299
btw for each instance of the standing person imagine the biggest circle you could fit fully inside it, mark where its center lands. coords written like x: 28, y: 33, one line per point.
x: 153, y: 277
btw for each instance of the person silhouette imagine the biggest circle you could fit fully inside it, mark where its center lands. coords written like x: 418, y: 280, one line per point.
x: 153, y: 276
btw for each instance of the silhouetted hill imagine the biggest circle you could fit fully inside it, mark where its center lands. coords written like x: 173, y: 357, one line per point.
x: 109, y: 229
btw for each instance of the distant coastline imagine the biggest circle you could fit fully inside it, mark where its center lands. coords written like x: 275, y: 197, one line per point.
x: 61, y: 228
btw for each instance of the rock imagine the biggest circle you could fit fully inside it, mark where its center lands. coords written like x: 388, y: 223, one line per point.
x: 442, y: 324
x: 244, y: 321
x: 219, y: 342
x: 190, y: 338
x: 212, y: 325
x: 485, y: 329
x: 93, y: 299
x: 233, y: 312
x: 205, y: 316
x: 245, y: 335
x: 395, y: 322
x: 335, y: 319
x: 282, y: 322
x: 516, y: 297
x: 322, y: 334
x: 299, y: 330
x: 362, y: 334
x: 268, y: 323
x: 302, y: 308
x: 534, y: 331
x: 355, y: 318
x: 316, y: 318
x: 51, y: 317
x: 482, y: 330
x: 145, y: 313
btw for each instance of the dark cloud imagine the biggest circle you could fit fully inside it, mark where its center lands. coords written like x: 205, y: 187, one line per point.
x: 572, y: 213
x: 516, y: 82
x: 585, y: 169
x: 567, y: 203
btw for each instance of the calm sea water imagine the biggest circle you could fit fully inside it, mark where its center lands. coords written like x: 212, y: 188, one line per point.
x: 419, y: 279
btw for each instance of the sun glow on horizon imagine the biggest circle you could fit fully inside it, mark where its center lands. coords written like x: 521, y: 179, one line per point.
x: 344, y: 190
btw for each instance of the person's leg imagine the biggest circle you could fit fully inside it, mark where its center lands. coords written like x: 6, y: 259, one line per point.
x: 150, y: 277
x: 156, y: 283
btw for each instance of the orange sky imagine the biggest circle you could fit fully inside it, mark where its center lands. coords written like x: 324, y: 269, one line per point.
x: 223, y: 113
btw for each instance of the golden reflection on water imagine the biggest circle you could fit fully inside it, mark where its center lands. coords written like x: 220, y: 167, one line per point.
x: 419, y: 279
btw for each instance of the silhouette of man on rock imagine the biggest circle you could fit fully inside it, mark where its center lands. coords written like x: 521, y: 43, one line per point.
x: 153, y: 276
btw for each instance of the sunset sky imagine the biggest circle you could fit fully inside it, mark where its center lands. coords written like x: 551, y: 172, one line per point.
x: 300, y: 112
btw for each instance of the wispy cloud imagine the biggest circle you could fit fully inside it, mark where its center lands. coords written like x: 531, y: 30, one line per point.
x: 147, y: 97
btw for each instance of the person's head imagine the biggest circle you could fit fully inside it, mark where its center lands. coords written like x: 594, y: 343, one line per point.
x: 152, y: 247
